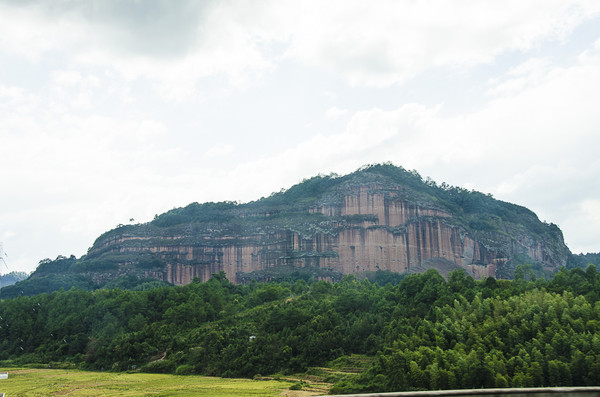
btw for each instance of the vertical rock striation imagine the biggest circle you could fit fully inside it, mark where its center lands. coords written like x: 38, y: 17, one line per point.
x: 379, y: 218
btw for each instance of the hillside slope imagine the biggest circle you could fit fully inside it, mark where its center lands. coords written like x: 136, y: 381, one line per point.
x: 381, y: 217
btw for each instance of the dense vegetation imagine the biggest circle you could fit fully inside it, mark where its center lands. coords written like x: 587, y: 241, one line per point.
x: 418, y: 331
x: 12, y: 278
x: 474, y: 209
x: 582, y: 260
x: 60, y: 273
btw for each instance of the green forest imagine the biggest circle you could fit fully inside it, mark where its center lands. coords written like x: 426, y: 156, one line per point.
x: 412, y: 332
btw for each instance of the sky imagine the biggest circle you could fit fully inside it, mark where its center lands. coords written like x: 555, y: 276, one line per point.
x: 114, y: 111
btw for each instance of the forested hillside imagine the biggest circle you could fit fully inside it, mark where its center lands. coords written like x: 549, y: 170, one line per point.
x: 12, y: 278
x: 415, y: 332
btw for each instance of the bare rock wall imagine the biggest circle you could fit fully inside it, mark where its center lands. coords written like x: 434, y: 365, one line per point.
x: 399, y: 236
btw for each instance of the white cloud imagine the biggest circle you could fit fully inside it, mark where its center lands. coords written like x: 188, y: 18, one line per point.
x: 581, y: 225
x: 366, y: 139
x: 13, y: 94
x: 334, y: 113
x: 388, y: 42
x: 7, y: 235
x: 66, y: 77
x: 216, y: 43
x: 529, y: 73
x: 220, y: 150
x: 376, y: 44
x: 30, y: 32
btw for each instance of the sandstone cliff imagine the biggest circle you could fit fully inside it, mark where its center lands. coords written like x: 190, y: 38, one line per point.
x: 379, y: 218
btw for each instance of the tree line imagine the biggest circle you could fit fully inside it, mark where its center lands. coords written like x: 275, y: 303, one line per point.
x: 420, y: 331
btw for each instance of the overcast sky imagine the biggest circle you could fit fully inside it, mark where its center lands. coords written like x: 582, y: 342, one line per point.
x: 112, y: 110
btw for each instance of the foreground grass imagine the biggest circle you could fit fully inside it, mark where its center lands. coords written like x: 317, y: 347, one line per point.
x: 58, y: 382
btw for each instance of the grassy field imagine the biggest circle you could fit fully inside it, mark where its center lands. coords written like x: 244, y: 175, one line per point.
x: 62, y: 382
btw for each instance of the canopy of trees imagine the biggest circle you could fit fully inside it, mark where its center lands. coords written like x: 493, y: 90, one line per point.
x: 421, y: 331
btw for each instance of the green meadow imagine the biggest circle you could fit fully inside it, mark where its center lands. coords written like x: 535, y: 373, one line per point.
x: 58, y: 382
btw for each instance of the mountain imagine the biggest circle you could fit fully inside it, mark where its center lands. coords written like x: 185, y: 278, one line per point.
x: 380, y: 217
x: 12, y: 278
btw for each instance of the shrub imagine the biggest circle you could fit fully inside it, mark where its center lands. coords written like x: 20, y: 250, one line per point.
x: 184, y: 369
x: 296, y: 386
x: 159, y: 367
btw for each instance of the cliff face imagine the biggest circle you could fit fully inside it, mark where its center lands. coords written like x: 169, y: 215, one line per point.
x: 358, y: 225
